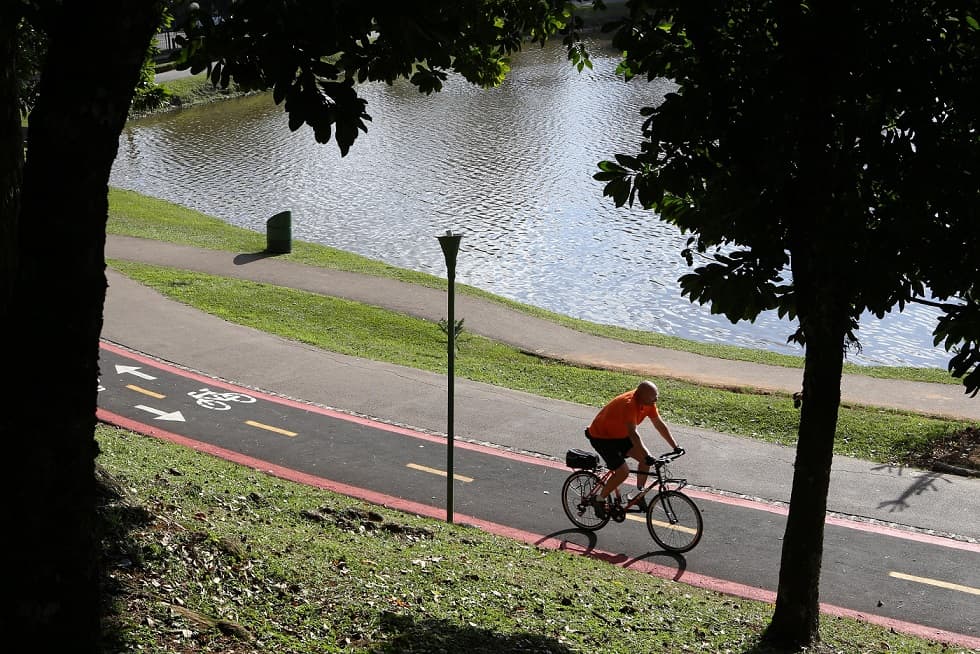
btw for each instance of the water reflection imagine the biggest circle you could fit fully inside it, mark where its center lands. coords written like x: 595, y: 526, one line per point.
x: 510, y: 168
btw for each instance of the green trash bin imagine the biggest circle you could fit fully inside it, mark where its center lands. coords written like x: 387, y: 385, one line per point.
x: 279, y: 233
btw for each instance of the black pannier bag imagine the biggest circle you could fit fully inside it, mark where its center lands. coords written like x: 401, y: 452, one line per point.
x: 581, y: 460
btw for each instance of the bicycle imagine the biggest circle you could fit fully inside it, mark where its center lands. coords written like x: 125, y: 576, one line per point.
x: 673, y: 519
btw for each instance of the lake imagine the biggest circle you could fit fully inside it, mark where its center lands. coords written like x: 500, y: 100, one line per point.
x: 510, y: 168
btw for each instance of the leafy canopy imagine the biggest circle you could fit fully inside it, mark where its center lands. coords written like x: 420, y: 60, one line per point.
x: 857, y: 122
x: 313, y: 53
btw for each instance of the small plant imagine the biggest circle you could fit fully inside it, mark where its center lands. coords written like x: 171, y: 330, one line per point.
x: 458, y: 329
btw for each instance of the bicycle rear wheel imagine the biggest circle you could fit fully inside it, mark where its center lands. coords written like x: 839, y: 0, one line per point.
x: 576, y: 497
x: 674, y: 521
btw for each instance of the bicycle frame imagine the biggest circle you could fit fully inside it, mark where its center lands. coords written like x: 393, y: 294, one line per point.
x: 659, y: 482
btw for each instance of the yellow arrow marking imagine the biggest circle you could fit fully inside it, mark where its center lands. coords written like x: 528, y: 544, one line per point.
x: 144, y: 391
x: 441, y: 473
x: 277, y: 430
x: 935, y: 582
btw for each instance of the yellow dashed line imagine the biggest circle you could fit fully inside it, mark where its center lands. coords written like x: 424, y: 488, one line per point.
x: 936, y: 582
x: 441, y: 473
x: 657, y: 523
x: 144, y: 391
x: 277, y: 430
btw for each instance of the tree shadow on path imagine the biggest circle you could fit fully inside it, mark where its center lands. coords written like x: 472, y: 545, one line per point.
x: 920, y: 484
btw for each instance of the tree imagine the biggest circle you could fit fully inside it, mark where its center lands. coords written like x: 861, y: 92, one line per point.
x: 823, y: 157
x: 53, y: 212
x: 54, y: 229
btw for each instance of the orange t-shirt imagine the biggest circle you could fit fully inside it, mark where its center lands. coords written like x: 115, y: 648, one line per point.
x: 621, y: 411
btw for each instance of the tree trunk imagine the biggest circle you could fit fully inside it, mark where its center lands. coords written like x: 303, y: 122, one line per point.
x: 796, y: 619
x: 11, y: 152
x: 822, y: 283
x: 95, y: 53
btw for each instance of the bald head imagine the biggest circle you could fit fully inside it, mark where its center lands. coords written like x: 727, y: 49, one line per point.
x: 646, y: 393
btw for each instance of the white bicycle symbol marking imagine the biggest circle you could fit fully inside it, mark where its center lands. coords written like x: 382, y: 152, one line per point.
x: 219, y: 401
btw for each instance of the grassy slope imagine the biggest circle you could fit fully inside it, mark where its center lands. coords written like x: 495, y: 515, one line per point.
x: 208, y: 556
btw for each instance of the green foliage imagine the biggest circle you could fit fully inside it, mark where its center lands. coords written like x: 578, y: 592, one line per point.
x: 457, y: 329
x: 957, y: 331
x: 32, y: 44
x: 148, y: 94
x: 313, y: 54
x: 836, y: 143
x: 848, y: 154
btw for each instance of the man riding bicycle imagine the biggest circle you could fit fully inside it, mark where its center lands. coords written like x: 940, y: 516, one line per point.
x: 614, y: 436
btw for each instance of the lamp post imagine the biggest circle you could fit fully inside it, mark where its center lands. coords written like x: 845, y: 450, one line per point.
x: 450, y: 247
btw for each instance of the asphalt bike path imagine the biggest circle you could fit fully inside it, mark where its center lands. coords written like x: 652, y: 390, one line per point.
x: 924, y: 584
x: 142, y: 319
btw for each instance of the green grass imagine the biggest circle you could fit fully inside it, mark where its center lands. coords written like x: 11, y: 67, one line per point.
x: 132, y: 214
x: 359, y: 330
x: 189, y: 91
x: 200, y: 549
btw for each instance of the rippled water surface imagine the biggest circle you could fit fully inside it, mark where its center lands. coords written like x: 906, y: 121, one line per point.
x: 511, y: 168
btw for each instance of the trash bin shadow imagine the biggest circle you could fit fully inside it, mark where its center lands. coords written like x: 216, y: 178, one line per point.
x: 246, y: 258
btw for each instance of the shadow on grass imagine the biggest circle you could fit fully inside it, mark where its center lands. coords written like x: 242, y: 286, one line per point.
x: 674, y: 568
x: 250, y: 257
x: 571, y: 540
x: 583, y: 542
x: 406, y: 635
x: 118, y: 520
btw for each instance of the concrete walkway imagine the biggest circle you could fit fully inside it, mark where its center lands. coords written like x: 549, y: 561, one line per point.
x: 542, y: 337
x: 143, y: 320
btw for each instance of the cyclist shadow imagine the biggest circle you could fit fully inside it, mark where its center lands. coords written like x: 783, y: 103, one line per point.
x: 582, y: 541
x: 676, y: 562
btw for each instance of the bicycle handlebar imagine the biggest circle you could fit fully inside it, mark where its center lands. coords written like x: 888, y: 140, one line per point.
x: 665, y: 458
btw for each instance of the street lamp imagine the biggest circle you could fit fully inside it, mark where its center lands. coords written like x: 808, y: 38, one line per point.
x: 450, y: 247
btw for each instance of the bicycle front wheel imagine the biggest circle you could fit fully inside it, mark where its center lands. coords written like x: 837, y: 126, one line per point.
x: 674, y: 521
x: 576, y: 497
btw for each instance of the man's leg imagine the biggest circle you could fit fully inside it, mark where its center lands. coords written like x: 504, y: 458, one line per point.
x: 617, y: 477
x: 640, y: 453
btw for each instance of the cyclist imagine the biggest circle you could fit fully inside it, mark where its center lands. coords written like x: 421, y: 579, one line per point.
x: 614, y: 436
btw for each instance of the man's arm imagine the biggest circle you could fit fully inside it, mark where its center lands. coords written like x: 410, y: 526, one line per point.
x: 638, y: 446
x: 634, y: 435
x: 663, y: 429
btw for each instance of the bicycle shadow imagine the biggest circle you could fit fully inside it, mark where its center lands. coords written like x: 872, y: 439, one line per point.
x: 679, y: 561
x: 583, y: 542
x: 571, y: 544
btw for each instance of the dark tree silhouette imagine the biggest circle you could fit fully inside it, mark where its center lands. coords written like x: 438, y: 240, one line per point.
x: 53, y: 212
x: 823, y: 157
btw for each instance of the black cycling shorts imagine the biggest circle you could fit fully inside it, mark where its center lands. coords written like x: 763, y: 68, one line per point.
x: 612, y: 450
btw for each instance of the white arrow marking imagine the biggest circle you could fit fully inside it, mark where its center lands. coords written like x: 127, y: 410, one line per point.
x: 133, y: 370
x: 176, y: 416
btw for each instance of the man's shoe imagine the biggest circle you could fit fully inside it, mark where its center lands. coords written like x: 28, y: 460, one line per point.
x: 599, y: 505
x: 641, y: 505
